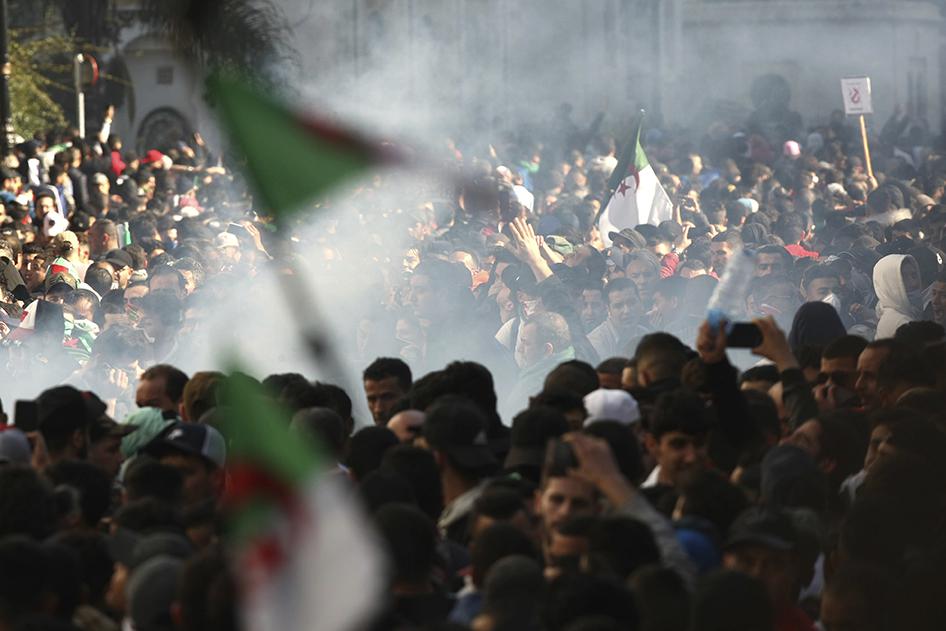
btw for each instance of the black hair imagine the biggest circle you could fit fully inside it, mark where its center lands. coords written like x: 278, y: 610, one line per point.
x: 678, y: 411
x: 64, y: 583
x: 380, y: 488
x: 767, y: 372
x: 710, y: 495
x: 620, y: 545
x: 624, y: 445
x: 846, y: 346
x: 166, y: 270
x: 411, y: 539
x: 494, y: 543
x: 575, y: 596
x: 663, y: 353
x: 612, y: 366
x: 207, y: 593
x: 27, y: 504
x: 818, y: 271
x: 419, y: 468
x: 919, y: 333
x: 146, y: 477
x: 92, y: 483
x: 367, y: 448
x: 325, y: 427
x: 149, y: 514
x: 174, y: 380
x: 384, y: 367
x: 620, y: 284
x: 99, y: 279
x: 575, y: 375
x: 95, y: 563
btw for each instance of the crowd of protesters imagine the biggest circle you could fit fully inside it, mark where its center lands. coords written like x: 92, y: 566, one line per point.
x: 557, y: 438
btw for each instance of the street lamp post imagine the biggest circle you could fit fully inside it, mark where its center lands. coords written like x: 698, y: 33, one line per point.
x: 6, y: 133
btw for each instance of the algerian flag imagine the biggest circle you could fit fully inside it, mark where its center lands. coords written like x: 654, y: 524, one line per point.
x: 637, y: 196
x: 305, y: 556
x: 291, y: 158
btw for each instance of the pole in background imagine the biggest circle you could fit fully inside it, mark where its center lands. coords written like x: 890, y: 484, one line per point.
x: 6, y: 137
x: 78, y: 60
x: 867, y: 163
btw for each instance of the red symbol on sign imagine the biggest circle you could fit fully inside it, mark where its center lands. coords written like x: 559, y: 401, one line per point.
x: 855, y: 96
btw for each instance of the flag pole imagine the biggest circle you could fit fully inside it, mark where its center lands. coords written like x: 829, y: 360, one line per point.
x: 867, y: 162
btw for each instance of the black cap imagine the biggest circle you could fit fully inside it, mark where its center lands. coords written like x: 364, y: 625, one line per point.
x: 531, y: 431
x: 455, y: 426
x: 61, y: 409
x: 103, y: 426
x: 119, y: 259
x: 194, y: 439
x: 630, y: 236
x: 765, y: 527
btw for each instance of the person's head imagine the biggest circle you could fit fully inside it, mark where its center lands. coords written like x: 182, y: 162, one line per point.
x: 200, y: 395
x: 532, y: 429
x: 760, y: 378
x: 386, y: 381
x: 643, y: 268
x: 366, y: 449
x: 819, y: 281
x: 324, y: 427
x: 25, y: 581
x: 501, y: 505
x: 763, y: 543
x: 624, y: 305
x: 773, y: 295
x: 676, y: 437
x: 63, y: 421
x: 410, y: 539
x: 495, y: 542
x: 28, y: 504
x: 839, y: 361
x: 772, y: 259
x: 620, y: 546
x: 722, y: 248
x: 575, y: 375
x: 543, y: 335
x: 146, y: 478
x: 669, y: 294
x: 103, y: 237
x: 439, y: 288
x: 899, y: 372
x: 99, y: 279
x: 93, y: 486
x: 45, y: 203
x: 162, y: 314
x: 609, y: 372
x: 199, y: 452
x: 455, y: 432
x: 207, y: 594
x: 161, y: 386
x: 593, y: 309
x: 562, y: 496
x: 166, y: 278
x: 868, y: 367
x: 832, y: 442
x: 659, y: 356
x: 419, y: 469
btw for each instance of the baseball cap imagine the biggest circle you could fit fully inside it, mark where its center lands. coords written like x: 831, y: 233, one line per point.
x: 194, y: 439
x: 132, y: 549
x: 611, y: 405
x: 227, y: 240
x: 103, y: 427
x: 560, y: 244
x: 61, y: 409
x: 457, y: 427
x: 149, y: 423
x: 151, y: 156
x: 631, y: 236
x: 763, y: 526
x: 14, y: 447
x: 61, y: 278
x: 119, y: 258
x: 670, y: 230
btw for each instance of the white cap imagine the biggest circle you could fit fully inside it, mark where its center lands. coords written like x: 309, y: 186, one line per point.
x: 611, y: 405
x: 227, y: 240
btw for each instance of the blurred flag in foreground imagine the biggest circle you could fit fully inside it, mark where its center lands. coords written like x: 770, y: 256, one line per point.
x: 305, y: 555
x: 291, y: 157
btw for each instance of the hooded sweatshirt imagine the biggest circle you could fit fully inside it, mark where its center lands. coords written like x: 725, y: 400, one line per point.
x: 894, y: 306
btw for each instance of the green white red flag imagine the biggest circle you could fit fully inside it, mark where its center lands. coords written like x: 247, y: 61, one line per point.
x: 637, y: 197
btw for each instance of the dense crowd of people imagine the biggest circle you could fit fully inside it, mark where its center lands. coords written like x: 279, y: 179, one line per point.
x: 558, y: 438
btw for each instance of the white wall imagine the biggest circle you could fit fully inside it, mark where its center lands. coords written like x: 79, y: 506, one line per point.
x: 812, y: 44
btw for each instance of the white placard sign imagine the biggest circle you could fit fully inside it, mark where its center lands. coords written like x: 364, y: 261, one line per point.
x: 856, y: 94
